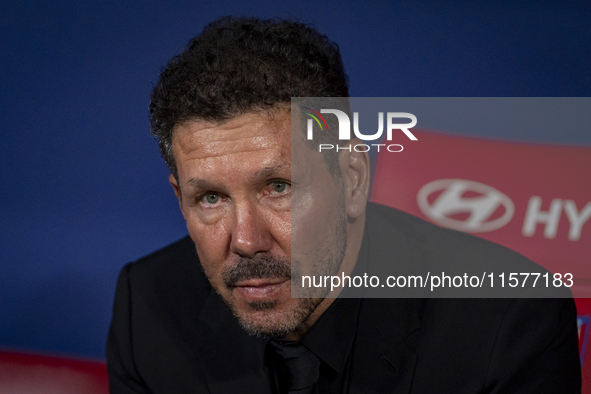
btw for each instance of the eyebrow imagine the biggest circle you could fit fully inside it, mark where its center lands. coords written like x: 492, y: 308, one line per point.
x: 202, y: 184
x: 268, y: 171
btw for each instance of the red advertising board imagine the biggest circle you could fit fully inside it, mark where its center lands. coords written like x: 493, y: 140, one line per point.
x: 532, y: 198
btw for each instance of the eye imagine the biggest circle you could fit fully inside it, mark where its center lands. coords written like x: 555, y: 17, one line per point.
x: 279, y: 187
x: 211, y: 198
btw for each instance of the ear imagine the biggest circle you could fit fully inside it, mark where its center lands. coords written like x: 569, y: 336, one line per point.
x: 175, y: 186
x: 355, y: 170
x: 177, y: 191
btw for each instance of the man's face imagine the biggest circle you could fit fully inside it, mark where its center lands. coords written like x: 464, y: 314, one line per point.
x: 235, y: 192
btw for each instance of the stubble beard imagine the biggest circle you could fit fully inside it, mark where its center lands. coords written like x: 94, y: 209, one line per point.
x: 264, y: 320
x: 267, y: 322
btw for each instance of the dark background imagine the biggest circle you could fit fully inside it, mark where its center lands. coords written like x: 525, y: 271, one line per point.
x: 83, y: 189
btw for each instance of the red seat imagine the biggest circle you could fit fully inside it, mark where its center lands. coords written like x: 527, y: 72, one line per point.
x: 35, y: 374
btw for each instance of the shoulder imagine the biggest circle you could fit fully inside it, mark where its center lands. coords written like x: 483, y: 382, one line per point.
x: 441, y: 247
x: 179, y: 252
x: 167, y: 278
x: 478, y: 345
x: 504, y: 338
x: 156, y: 322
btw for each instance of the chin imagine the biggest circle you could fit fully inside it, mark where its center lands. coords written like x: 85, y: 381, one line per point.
x: 270, y: 319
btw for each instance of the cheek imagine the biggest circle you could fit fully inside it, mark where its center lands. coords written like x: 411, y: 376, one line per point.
x: 311, y: 210
x: 212, y: 244
x: 306, y: 231
x: 281, y: 231
x: 313, y: 222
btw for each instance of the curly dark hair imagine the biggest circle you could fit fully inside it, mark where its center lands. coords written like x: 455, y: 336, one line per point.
x: 239, y: 65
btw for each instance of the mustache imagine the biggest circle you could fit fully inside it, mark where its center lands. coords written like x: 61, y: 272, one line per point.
x: 259, y: 267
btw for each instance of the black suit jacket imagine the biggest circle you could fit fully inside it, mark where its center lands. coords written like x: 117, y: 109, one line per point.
x: 171, y: 333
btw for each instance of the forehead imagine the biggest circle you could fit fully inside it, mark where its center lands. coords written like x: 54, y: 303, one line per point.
x: 248, y: 133
x: 244, y: 148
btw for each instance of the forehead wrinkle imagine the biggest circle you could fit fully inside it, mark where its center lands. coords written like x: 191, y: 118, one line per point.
x: 226, y: 132
x: 263, y: 173
x: 245, y: 133
x: 234, y: 136
x: 222, y: 148
x: 218, y: 166
x: 241, y: 147
x: 238, y: 145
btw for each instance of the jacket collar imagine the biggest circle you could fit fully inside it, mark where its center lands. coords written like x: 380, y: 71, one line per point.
x: 231, y: 360
x: 384, y: 355
x: 382, y: 359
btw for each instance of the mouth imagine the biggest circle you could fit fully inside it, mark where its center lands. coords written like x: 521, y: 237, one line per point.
x: 261, y: 289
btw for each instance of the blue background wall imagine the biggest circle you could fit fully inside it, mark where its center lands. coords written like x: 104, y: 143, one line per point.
x: 83, y: 190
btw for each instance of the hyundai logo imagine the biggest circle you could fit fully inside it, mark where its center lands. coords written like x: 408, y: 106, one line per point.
x: 465, y: 205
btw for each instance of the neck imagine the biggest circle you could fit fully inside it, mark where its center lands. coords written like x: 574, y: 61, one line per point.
x: 354, y: 240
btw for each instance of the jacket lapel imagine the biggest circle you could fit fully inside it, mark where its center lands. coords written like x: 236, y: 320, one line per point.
x: 382, y: 361
x: 384, y: 358
x: 230, y: 359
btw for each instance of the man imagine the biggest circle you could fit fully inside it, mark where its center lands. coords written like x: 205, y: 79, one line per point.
x: 214, y: 313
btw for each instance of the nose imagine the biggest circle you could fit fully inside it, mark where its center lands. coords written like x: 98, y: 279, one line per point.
x: 250, y: 231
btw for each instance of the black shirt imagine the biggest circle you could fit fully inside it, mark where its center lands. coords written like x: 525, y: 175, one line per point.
x: 331, y: 339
